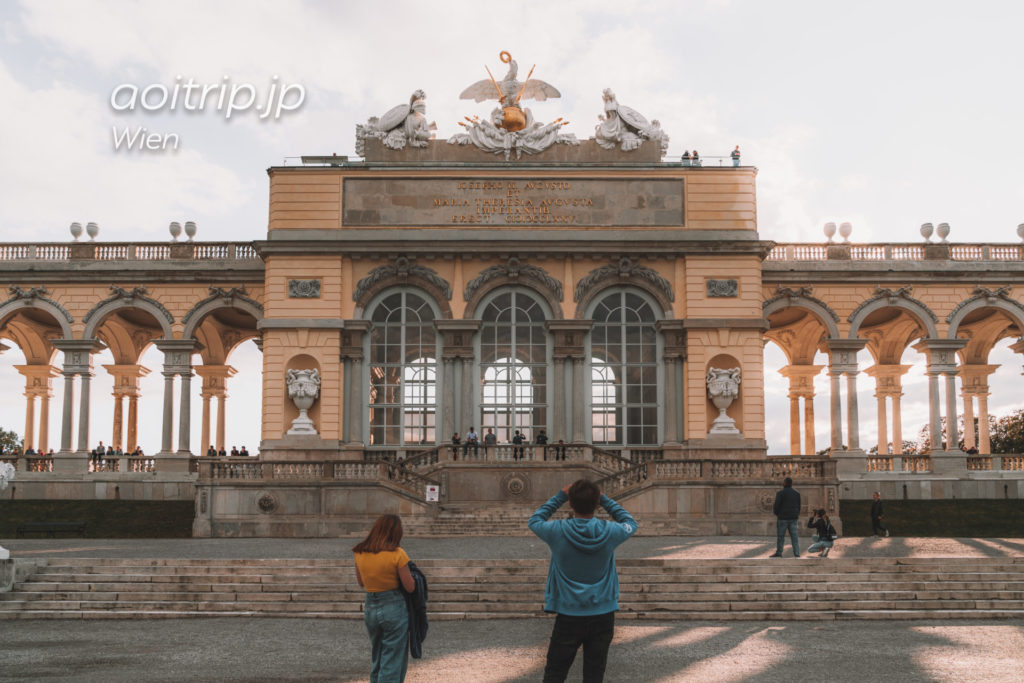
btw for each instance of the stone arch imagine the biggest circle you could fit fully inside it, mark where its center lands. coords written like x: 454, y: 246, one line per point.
x: 135, y: 298
x: 366, y: 312
x: 483, y: 301
x: 36, y: 298
x: 986, y: 298
x: 887, y: 298
x: 623, y: 273
x: 512, y: 274
x: 787, y: 299
x: 402, y: 273
x: 219, y: 298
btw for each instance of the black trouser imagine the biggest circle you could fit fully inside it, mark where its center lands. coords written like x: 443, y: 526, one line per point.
x: 876, y: 524
x: 593, y: 633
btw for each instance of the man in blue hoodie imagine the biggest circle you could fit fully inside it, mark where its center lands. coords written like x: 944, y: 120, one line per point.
x: 583, y: 586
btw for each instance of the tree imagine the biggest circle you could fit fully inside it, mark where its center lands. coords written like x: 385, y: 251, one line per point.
x: 1008, y: 433
x: 9, y: 440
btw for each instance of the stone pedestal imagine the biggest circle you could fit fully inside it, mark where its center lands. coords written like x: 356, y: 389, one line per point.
x: 949, y: 463
x: 850, y: 463
x: 70, y: 463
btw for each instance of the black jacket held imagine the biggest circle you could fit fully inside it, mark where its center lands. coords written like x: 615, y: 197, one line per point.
x: 416, y: 603
x: 787, y: 503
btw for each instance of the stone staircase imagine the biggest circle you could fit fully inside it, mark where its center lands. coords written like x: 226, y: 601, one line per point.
x: 455, y: 519
x: 734, y: 589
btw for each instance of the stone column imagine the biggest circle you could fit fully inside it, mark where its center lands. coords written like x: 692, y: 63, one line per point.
x: 674, y: 353
x: 578, y: 402
x: 118, y: 430
x: 167, y: 433
x: 984, y: 446
x: 810, y: 448
x: 133, y: 422
x: 883, y: 435
x: 794, y: 424
x: 44, y: 422
x: 356, y: 397
x: 222, y: 421
x: 852, y: 416
x: 897, y: 425
x: 970, y: 438
x: 460, y: 385
x: 952, y: 428
x: 83, y: 413
x: 558, y: 399
x: 974, y: 383
x: 30, y: 420
x: 204, y: 439
x: 185, y: 415
x: 835, y: 407
x: 67, y: 419
x: 934, y: 419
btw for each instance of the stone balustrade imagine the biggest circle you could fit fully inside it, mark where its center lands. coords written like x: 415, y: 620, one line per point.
x: 129, y: 251
x: 843, y: 251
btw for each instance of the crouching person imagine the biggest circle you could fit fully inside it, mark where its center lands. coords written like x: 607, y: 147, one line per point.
x: 825, y: 533
x: 583, y: 586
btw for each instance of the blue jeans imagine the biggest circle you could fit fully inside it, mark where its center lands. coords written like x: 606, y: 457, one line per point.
x: 387, y: 621
x: 783, y: 525
x: 820, y: 544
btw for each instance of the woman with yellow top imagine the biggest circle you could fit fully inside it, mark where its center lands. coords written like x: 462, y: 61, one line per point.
x: 381, y: 566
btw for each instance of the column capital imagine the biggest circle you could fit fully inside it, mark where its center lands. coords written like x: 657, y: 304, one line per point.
x: 801, y: 379
x: 674, y: 334
x: 941, y: 353
x: 351, y: 338
x: 974, y: 379
x: 457, y: 337
x: 177, y: 355
x: 215, y: 379
x: 78, y: 353
x: 569, y: 337
x: 843, y: 354
x: 126, y: 378
x: 38, y: 379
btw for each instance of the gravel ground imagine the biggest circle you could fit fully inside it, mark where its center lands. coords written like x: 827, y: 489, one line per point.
x: 510, y: 650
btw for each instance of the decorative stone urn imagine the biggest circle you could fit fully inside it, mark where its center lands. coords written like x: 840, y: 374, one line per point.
x: 723, y: 388
x: 303, y: 389
x: 6, y: 474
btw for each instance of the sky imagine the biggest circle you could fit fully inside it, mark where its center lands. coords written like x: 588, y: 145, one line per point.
x: 883, y: 114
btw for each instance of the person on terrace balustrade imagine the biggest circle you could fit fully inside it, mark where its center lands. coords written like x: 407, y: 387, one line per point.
x: 472, y: 439
x: 517, y: 446
x: 244, y: 451
x: 211, y: 451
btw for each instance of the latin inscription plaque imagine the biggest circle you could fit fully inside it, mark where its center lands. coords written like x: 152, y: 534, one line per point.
x: 517, y: 202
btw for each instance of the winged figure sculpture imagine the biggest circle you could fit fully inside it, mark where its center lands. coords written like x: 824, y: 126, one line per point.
x: 509, y: 90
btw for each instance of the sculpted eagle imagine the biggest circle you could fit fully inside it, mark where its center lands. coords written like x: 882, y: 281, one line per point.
x: 510, y: 87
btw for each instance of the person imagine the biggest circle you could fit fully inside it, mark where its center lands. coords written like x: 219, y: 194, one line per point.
x: 138, y: 451
x: 381, y: 567
x: 583, y: 586
x: 456, y: 440
x: 826, y: 533
x: 787, y: 511
x: 472, y: 439
x: 234, y: 450
x: 245, y: 451
x: 489, y: 440
x: 29, y: 450
x: 735, y: 155
x: 686, y: 158
x: 517, y: 446
x: 542, y: 441
x: 110, y: 450
x: 973, y: 450
x: 876, y: 515
x: 222, y: 452
x: 211, y: 451
x: 560, y: 450
x: 695, y: 158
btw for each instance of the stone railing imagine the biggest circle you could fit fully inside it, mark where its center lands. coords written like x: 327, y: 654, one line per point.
x: 129, y: 251
x: 922, y: 464
x: 612, y: 461
x: 844, y: 251
x: 120, y: 463
x: 995, y: 463
x: 770, y: 471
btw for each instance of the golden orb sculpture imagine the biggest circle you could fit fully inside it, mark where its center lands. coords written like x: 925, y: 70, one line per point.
x: 513, y: 119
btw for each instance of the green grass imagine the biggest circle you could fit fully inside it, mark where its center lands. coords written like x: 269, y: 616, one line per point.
x: 103, y: 518
x: 938, y: 518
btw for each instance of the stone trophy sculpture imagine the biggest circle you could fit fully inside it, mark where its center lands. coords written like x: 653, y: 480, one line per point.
x: 303, y: 389
x: 723, y: 388
x: 510, y: 126
x: 626, y: 127
x: 403, y: 125
x: 6, y: 474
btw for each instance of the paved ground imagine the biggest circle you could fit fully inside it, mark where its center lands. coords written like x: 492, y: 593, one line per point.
x: 493, y: 651
x: 714, y: 547
x: 508, y: 650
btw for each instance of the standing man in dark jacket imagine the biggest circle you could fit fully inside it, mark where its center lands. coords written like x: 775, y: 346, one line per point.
x: 876, y: 515
x: 787, y: 512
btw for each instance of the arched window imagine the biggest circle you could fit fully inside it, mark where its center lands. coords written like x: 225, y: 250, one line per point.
x: 513, y: 362
x: 624, y: 371
x: 403, y: 372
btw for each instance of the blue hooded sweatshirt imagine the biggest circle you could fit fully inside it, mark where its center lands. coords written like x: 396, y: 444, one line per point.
x: 582, y: 580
